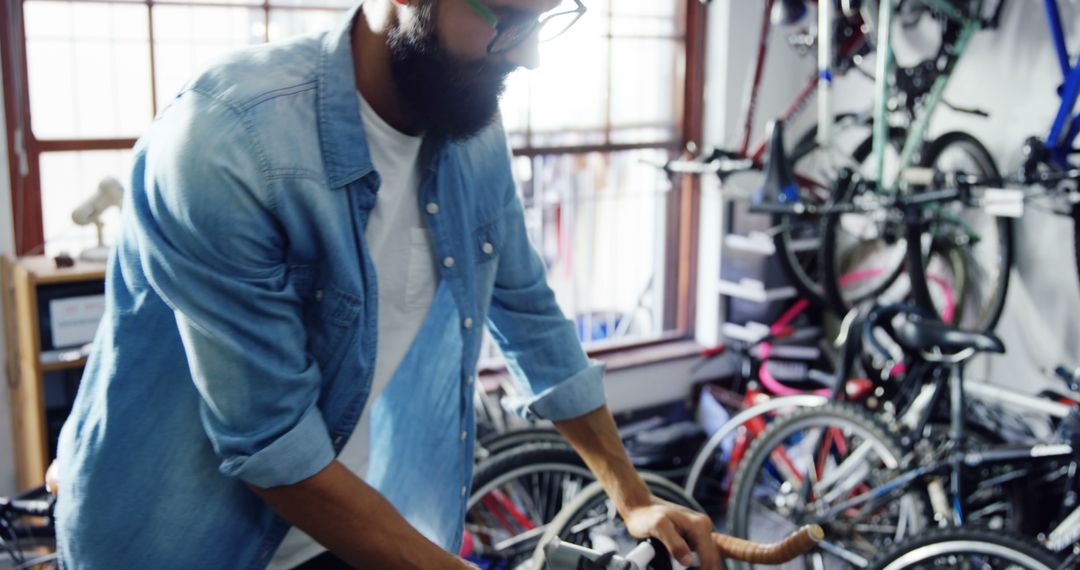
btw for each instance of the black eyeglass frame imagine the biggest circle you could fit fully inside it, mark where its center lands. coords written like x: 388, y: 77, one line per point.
x: 502, y: 25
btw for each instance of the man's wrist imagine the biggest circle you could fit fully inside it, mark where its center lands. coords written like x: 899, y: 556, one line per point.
x: 630, y: 491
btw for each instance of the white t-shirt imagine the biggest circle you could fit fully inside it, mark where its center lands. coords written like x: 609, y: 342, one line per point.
x: 400, y: 248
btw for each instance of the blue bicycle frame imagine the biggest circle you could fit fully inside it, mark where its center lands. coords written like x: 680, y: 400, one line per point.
x: 1066, y: 124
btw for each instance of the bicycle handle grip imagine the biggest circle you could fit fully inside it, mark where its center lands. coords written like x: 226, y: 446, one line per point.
x: 918, y: 176
x: 795, y: 544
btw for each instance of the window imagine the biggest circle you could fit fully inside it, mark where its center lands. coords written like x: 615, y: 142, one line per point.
x: 83, y: 78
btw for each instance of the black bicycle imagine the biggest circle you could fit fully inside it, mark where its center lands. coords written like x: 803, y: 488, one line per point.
x: 950, y: 472
x: 27, y: 534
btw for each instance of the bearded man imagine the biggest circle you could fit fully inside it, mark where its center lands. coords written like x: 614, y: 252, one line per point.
x: 315, y: 232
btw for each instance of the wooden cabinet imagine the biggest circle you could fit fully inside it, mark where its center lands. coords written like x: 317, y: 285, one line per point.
x: 44, y: 348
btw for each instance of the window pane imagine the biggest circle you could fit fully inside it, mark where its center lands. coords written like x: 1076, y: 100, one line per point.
x: 89, y: 69
x: 514, y: 104
x: 570, y: 91
x: 222, y: 2
x: 598, y: 222
x: 647, y: 18
x: 186, y: 38
x: 315, y: 3
x: 68, y: 178
x: 645, y: 82
x: 285, y: 23
x: 650, y: 8
x: 612, y: 79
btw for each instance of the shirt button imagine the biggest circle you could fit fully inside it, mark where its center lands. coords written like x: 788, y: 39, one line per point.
x: 432, y: 208
x: 464, y: 435
x: 337, y: 440
x: 467, y: 323
x: 487, y: 248
x: 319, y: 295
x: 448, y: 262
x: 464, y: 490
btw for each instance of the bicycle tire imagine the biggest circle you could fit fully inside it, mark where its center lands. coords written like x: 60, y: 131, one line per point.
x: 800, y: 264
x: 825, y: 290
x: 981, y: 300
x: 952, y: 543
x: 501, y: 442
x: 839, y: 533
x: 1076, y: 239
x: 567, y: 525
x: 27, y: 560
x: 517, y: 491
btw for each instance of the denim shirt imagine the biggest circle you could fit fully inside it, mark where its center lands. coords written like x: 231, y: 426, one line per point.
x: 239, y: 338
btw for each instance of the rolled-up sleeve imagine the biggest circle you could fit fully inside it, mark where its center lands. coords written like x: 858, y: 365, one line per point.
x: 213, y: 249
x: 540, y: 345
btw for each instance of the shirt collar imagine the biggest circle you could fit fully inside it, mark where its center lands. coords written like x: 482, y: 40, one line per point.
x: 341, y: 132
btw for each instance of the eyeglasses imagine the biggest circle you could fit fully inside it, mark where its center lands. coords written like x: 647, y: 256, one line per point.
x: 510, y: 32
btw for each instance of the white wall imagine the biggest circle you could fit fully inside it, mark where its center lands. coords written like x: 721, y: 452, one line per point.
x: 1012, y: 73
x: 733, y: 31
x: 646, y: 386
x: 7, y: 246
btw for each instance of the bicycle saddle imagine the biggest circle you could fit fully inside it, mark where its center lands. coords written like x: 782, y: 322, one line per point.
x: 788, y: 12
x: 923, y: 334
x: 779, y: 191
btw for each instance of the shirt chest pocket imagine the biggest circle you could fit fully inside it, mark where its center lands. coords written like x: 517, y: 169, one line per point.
x: 486, y: 243
x: 330, y: 315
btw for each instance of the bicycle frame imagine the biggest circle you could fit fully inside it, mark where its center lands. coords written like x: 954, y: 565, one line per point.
x: 917, y: 132
x: 959, y: 459
x: 1066, y: 126
x: 813, y: 86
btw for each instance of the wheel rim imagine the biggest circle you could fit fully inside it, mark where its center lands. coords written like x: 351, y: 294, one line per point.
x: 972, y: 236
x: 966, y: 554
x: 841, y: 460
x: 506, y: 516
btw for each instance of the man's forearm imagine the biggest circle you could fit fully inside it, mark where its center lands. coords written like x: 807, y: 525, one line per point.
x: 355, y: 522
x: 597, y: 440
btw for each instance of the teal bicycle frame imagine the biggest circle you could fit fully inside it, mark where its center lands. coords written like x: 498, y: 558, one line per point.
x: 916, y: 134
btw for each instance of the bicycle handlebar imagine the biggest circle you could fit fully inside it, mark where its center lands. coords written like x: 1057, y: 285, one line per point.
x: 563, y: 555
x: 920, y: 176
x: 36, y: 502
x: 794, y: 545
x: 26, y: 507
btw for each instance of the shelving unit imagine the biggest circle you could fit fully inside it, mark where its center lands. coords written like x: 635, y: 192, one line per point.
x: 44, y: 359
x: 751, y: 282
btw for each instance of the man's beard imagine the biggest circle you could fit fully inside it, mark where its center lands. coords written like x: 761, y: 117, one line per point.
x: 450, y: 98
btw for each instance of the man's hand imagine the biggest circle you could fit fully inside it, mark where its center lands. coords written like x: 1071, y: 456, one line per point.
x: 682, y: 531
x: 52, y: 478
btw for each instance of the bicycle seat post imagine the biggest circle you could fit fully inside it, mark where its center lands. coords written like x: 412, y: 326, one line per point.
x: 956, y: 429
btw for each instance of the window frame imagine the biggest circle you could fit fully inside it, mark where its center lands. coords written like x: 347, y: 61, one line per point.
x: 25, y: 150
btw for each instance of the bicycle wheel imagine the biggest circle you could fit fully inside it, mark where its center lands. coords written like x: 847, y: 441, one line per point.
x: 802, y: 240
x: 27, y: 535
x: 514, y: 495
x: 497, y: 443
x: 863, y: 253
x: 798, y: 239
x: 590, y: 520
x: 966, y: 548
x: 806, y: 464
x: 1076, y: 238
x: 709, y: 480
x: 970, y: 290
x: 27, y: 546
